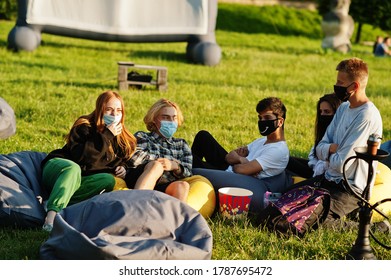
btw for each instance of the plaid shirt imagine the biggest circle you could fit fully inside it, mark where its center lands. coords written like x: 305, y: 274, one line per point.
x: 151, y: 146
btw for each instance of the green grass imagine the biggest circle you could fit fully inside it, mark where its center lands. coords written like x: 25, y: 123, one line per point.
x: 267, y: 51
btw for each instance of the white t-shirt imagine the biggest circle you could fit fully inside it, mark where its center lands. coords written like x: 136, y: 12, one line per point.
x: 273, y: 157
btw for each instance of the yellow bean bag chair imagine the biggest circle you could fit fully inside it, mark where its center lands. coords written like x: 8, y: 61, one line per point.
x: 381, y: 190
x: 297, y: 179
x: 202, y: 196
x: 120, y: 184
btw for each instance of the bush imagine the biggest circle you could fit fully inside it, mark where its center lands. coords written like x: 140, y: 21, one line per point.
x: 8, y: 9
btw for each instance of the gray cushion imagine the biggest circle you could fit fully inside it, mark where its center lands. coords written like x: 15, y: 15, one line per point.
x: 20, y: 184
x: 130, y: 224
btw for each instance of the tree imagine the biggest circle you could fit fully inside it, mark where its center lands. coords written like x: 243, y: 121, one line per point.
x: 8, y: 9
x: 379, y: 15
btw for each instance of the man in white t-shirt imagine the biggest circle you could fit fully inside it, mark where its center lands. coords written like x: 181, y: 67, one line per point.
x: 268, y: 158
x: 265, y: 157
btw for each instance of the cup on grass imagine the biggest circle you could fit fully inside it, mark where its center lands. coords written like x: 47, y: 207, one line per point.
x: 234, y: 202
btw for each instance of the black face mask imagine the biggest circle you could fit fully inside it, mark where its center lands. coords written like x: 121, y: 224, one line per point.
x: 267, y: 127
x: 325, y: 120
x: 342, y: 92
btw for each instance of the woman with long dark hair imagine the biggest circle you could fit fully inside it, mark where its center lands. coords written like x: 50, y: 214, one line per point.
x: 325, y: 110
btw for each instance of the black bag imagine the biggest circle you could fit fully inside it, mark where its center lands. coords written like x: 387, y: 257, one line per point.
x: 137, y: 77
x: 296, y: 211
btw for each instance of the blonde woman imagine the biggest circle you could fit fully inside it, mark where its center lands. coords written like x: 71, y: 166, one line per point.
x: 161, y: 160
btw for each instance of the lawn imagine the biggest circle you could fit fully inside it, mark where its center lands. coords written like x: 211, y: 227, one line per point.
x: 266, y: 51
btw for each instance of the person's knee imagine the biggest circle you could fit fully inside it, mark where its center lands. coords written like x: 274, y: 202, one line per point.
x: 72, y: 167
x: 58, y: 170
x: 155, y: 167
x: 179, y: 189
x: 202, y: 135
x: 183, y: 186
x: 177, y: 186
x: 61, y: 165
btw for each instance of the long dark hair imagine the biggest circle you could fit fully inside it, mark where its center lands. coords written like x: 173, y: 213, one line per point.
x: 320, y: 128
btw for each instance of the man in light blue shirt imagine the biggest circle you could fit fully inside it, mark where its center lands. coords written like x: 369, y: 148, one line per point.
x: 354, y: 121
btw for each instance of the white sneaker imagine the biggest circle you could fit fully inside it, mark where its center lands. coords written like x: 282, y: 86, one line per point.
x: 47, y: 227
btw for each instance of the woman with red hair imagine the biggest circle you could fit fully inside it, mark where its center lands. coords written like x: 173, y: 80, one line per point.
x: 97, y: 149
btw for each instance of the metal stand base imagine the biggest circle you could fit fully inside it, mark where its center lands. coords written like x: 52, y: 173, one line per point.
x: 362, y: 249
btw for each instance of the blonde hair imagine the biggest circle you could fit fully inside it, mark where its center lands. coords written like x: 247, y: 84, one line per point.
x: 154, y: 111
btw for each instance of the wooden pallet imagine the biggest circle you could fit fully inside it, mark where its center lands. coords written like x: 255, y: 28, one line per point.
x: 124, y: 67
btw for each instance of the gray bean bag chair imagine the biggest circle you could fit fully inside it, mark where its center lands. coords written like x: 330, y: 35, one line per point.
x: 130, y: 224
x: 116, y: 225
x: 20, y: 185
x: 7, y: 120
x: 220, y: 179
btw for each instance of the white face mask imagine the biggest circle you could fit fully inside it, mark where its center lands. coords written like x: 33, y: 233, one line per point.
x: 109, y: 119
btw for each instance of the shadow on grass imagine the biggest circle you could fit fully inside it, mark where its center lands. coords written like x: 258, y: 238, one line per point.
x: 45, y: 65
x: 42, y: 83
x: 305, y: 50
x: 87, y: 44
x: 160, y: 55
x: 153, y: 54
x: 292, y: 50
x: 92, y: 85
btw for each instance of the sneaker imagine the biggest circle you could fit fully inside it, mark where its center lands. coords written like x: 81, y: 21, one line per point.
x: 47, y: 227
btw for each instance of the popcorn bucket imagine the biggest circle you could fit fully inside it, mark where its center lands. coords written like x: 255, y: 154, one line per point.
x: 234, y: 202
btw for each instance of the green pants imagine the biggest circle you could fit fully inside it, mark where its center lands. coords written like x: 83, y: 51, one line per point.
x: 62, y: 178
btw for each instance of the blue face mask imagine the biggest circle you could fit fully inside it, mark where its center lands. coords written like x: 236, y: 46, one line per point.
x: 109, y: 119
x: 167, y: 128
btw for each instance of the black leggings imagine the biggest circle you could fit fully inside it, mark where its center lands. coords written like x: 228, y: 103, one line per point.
x: 299, y: 167
x: 207, y: 152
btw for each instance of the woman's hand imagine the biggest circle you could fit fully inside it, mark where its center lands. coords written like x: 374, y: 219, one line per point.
x: 169, y: 165
x: 115, y: 128
x: 120, y: 172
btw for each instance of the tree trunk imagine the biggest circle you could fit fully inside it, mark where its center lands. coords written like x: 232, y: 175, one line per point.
x: 358, y: 34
